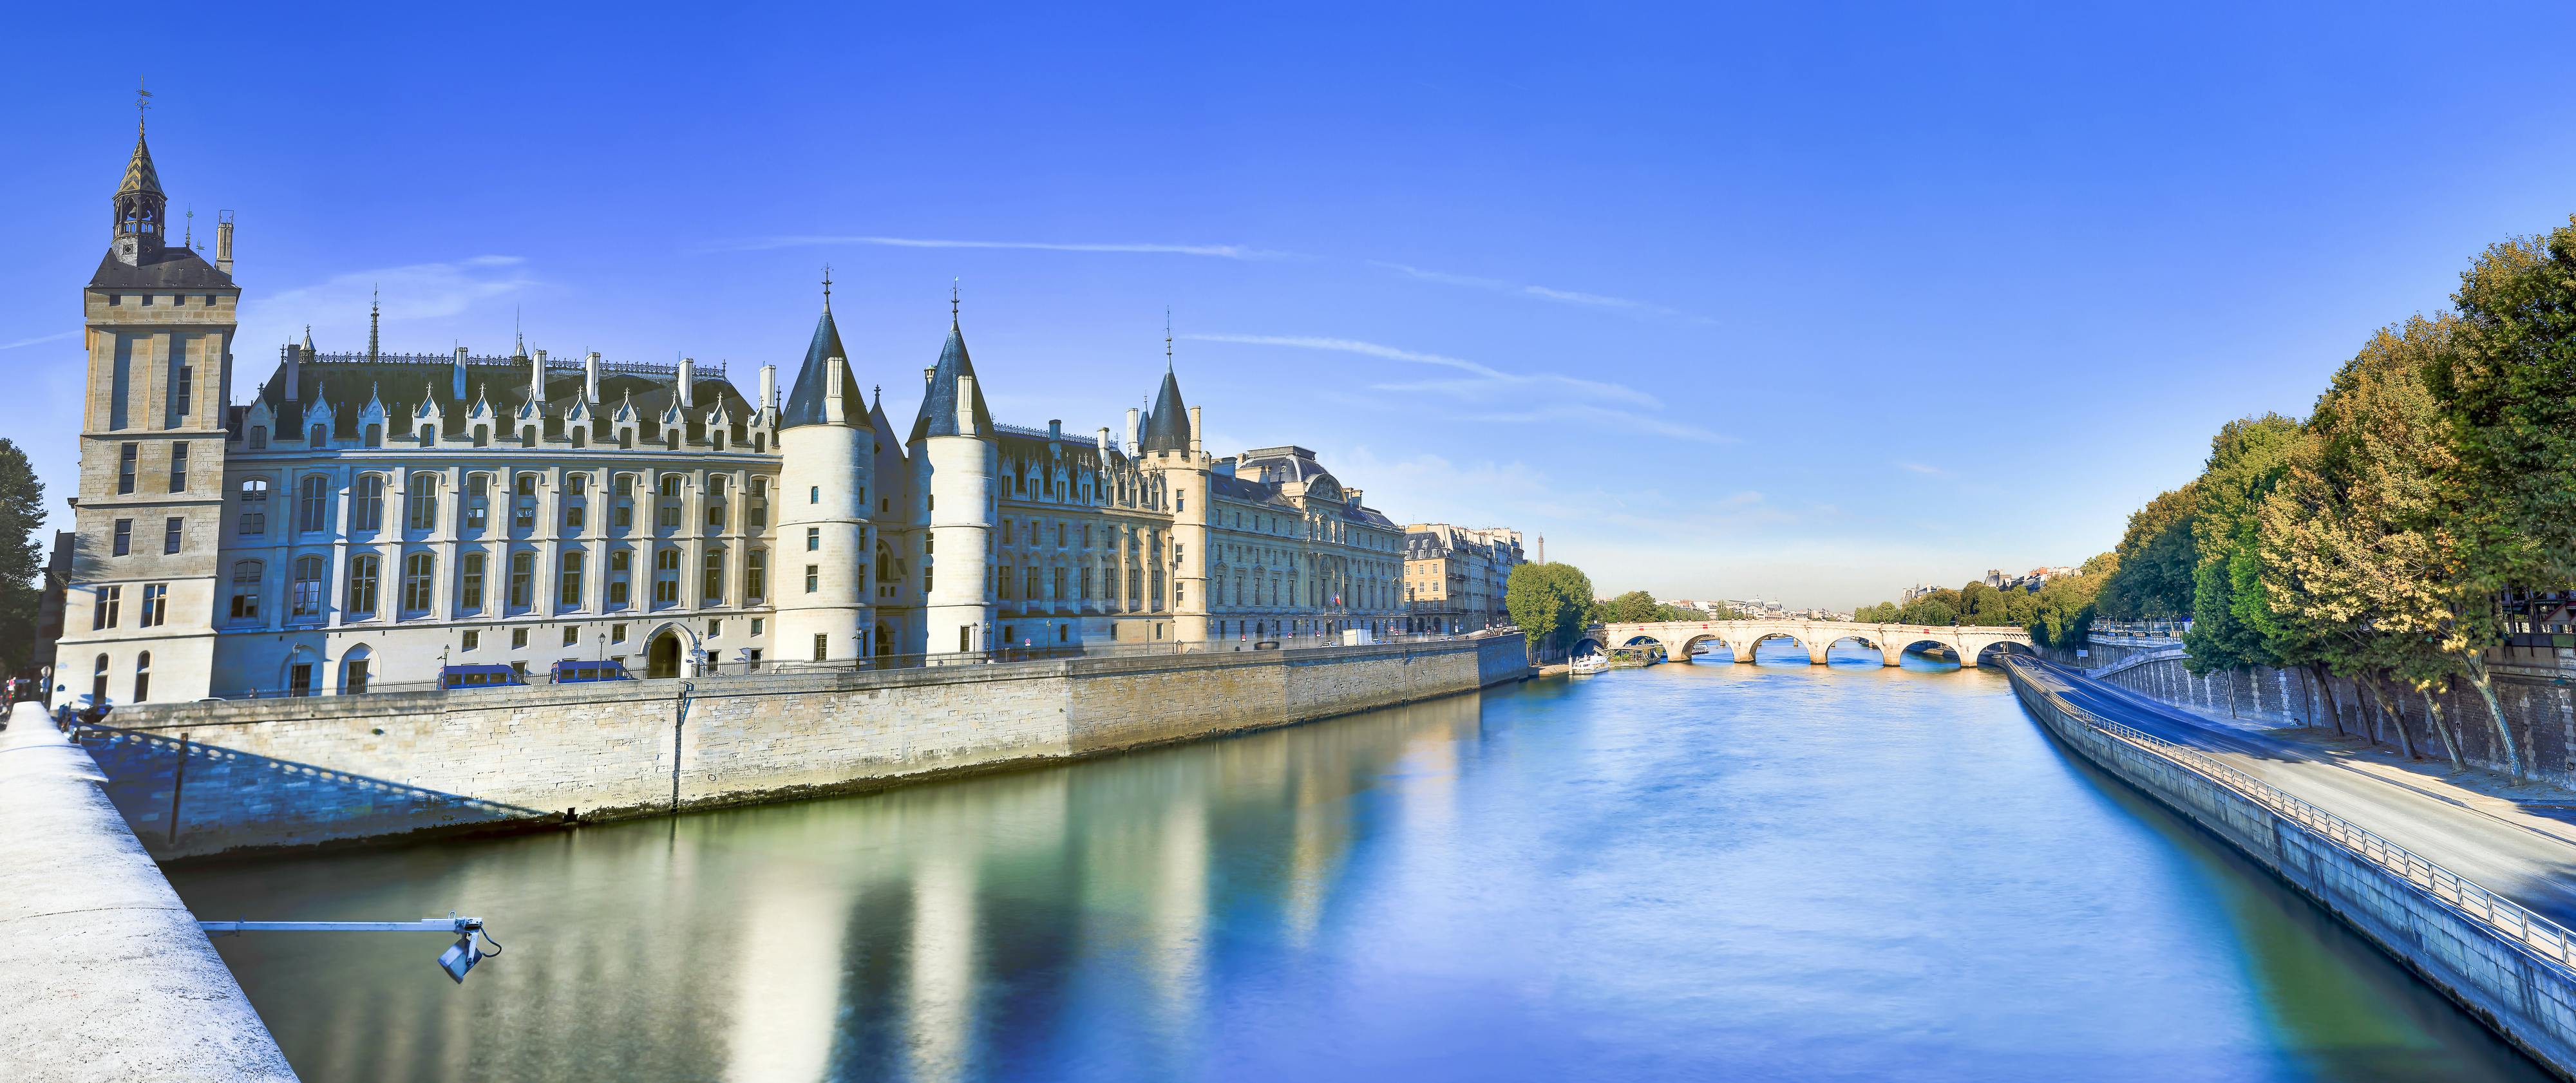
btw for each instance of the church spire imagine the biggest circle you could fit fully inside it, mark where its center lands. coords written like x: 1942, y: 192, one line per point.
x: 373, y: 312
x: 142, y: 210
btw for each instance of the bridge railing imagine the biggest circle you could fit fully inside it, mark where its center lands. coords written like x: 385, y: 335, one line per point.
x: 2509, y: 919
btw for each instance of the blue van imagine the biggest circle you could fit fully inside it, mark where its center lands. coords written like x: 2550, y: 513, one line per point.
x: 453, y: 677
x: 570, y: 672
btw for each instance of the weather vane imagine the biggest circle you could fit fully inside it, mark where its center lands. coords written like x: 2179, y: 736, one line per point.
x: 142, y: 102
x: 827, y: 285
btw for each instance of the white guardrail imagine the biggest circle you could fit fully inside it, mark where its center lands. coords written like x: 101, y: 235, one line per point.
x: 2508, y: 919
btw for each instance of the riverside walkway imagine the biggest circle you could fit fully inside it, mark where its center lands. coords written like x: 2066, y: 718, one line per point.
x: 2524, y: 850
x: 106, y: 972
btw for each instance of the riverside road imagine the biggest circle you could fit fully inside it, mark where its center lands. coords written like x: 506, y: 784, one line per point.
x: 2523, y: 852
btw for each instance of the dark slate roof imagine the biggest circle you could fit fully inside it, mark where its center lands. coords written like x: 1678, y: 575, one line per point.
x: 938, y: 415
x: 401, y: 386
x: 170, y: 268
x: 1248, y: 491
x: 805, y: 400
x: 1168, y: 427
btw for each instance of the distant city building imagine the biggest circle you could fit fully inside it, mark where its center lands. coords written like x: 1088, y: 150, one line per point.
x: 1454, y: 576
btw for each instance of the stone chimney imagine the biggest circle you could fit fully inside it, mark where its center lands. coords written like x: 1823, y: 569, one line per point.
x: 294, y: 387
x: 224, y: 241
x: 458, y: 382
x: 831, y: 389
x: 537, y: 379
x: 1055, y: 429
x: 590, y: 377
x: 926, y: 374
x: 1133, y: 417
x: 966, y: 406
x: 768, y: 387
x: 1104, y: 447
x: 688, y: 381
x: 1194, y: 430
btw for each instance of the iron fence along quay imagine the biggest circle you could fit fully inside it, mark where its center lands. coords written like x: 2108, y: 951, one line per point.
x: 2509, y: 919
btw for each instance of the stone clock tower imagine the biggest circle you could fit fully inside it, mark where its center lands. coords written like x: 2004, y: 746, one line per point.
x: 138, y: 624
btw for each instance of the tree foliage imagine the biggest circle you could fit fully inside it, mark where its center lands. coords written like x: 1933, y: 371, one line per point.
x: 2228, y: 609
x: 1549, y: 602
x: 22, y: 513
x: 2156, y: 561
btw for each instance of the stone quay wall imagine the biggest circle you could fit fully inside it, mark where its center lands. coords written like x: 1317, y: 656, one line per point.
x: 2520, y: 992
x: 204, y: 778
x: 2534, y: 686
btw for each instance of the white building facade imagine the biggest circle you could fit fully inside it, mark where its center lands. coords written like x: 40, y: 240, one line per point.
x: 367, y: 519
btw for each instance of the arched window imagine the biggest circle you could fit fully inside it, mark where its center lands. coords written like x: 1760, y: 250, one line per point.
x: 254, y: 507
x: 419, y: 579
x: 304, y: 599
x: 362, y: 586
x: 245, y: 590
x: 142, y: 676
x: 367, y: 505
x: 420, y: 501
x: 98, y: 681
x: 313, y: 504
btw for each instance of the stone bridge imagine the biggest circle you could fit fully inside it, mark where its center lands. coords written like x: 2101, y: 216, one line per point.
x: 1889, y: 640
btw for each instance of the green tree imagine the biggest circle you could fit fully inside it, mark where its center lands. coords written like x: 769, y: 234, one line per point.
x: 1634, y: 607
x: 2062, y: 611
x: 2156, y: 560
x: 22, y: 513
x: 1549, y: 602
x: 2503, y: 379
x: 2228, y: 610
x: 2366, y: 546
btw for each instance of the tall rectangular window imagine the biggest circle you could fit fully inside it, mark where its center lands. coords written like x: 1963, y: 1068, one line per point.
x: 103, y: 615
x: 183, y: 393
x: 420, y: 501
x: 245, y: 603
x: 568, y: 582
x: 621, y: 571
x: 125, y: 457
x: 178, y: 466
x: 822, y: 642
x: 171, y: 531
x: 363, y: 570
x: 367, y: 503
x: 304, y: 599
x: 666, y: 576
x: 523, y: 579
x: 124, y: 537
x: 418, y: 572
x: 469, y: 584
x: 755, y: 575
x: 711, y: 578
x: 312, y: 503
x: 813, y: 538
x: 813, y: 577
x: 118, y: 377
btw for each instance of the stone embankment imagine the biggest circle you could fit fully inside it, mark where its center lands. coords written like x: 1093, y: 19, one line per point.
x: 205, y: 778
x: 2511, y: 969
x: 107, y: 974
x: 2533, y: 685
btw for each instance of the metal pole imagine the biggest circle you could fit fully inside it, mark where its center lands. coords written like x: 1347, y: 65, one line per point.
x: 178, y: 782
x: 679, y: 718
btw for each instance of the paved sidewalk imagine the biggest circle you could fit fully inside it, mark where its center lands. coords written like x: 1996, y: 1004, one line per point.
x: 2519, y: 842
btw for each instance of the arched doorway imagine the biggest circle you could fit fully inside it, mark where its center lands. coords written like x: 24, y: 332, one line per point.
x: 662, y: 655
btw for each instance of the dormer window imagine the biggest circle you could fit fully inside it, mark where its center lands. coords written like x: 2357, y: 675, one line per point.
x: 317, y: 437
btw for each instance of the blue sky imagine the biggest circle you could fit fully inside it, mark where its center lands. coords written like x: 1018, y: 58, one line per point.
x: 1803, y: 301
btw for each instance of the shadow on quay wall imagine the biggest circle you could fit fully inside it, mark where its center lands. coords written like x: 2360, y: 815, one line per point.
x: 186, y: 798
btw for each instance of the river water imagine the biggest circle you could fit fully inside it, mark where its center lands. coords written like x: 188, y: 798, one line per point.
x: 1699, y: 871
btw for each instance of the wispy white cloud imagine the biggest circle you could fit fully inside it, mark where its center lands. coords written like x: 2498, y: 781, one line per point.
x: 1627, y: 420
x: 410, y: 292
x: 1488, y: 378
x: 57, y: 336
x: 1544, y: 293
x: 1219, y: 251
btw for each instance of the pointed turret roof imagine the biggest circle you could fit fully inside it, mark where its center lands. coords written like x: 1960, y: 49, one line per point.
x: 939, y: 401
x: 139, y: 174
x: 1168, y: 427
x: 813, y: 381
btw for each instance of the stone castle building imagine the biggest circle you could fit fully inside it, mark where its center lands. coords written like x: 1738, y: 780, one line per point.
x: 368, y: 518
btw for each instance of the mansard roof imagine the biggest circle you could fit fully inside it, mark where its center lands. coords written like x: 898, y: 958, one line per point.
x: 170, y: 267
x: 1167, y: 428
x: 938, y: 415
x: 407, y: 385
x: 805, y: 404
